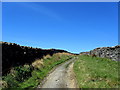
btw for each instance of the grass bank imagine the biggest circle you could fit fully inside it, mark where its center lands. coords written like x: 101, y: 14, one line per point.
x: 95, y: 72
x: 30, y: 76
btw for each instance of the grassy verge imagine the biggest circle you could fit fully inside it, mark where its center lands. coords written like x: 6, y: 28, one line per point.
x: 30, y: 76
x: 95, y: 72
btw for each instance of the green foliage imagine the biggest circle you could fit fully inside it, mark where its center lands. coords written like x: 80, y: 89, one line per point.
x: 18, y: 75
x: 28, y: 77
x: 11, y: 81
x: 23, y: 72
x: 95, y: 72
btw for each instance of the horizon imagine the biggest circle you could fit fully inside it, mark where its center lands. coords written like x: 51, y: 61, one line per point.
x: 54, y: 48
x: 74, y: 27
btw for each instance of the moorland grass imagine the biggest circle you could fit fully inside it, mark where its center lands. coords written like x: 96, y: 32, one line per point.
x: 96, y: 72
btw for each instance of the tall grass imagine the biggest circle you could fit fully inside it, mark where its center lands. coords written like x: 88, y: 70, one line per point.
x: 28, y: 76
x: 95, y: 72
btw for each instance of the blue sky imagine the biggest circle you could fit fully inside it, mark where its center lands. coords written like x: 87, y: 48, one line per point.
x: 71, y: 26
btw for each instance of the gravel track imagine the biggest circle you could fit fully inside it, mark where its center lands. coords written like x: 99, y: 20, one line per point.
x: 61, y: 77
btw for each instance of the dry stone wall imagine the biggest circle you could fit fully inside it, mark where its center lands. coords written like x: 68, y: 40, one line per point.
x: 105, y: 52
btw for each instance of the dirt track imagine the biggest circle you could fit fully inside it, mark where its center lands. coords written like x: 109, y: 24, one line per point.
x: 62, y: 77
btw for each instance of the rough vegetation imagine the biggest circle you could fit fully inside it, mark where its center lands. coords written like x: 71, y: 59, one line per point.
x: 15, y: 55
x: 31, y: 75
x: 96, y: 72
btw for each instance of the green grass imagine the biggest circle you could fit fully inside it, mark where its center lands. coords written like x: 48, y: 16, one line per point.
x: 95, y: 72
x: 29, y: 77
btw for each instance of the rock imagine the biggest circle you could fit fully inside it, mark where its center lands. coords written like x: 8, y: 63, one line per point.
x: 105, y: 52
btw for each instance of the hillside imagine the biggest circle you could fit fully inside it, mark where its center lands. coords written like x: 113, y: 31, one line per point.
x: 26, y: 67
x: 16, y: 55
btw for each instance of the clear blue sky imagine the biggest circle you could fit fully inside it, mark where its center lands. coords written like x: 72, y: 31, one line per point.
x: 71, y: 26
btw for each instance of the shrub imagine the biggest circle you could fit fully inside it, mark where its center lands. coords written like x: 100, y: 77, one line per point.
x: 22, y: 73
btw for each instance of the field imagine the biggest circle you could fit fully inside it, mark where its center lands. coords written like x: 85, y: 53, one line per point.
x: 95, y: 72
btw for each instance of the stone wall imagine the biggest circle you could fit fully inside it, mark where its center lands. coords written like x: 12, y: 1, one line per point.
x: 15, y: 55
x: 107, y: 52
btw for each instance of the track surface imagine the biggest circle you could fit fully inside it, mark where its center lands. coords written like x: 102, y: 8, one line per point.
x: 61, y: 77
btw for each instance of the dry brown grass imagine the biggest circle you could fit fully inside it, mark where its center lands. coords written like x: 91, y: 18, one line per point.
x: 3, y: 84
x: 47, y: 56
x: 64, y: 53
x: 57, y: 56
x: 38, y: 63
